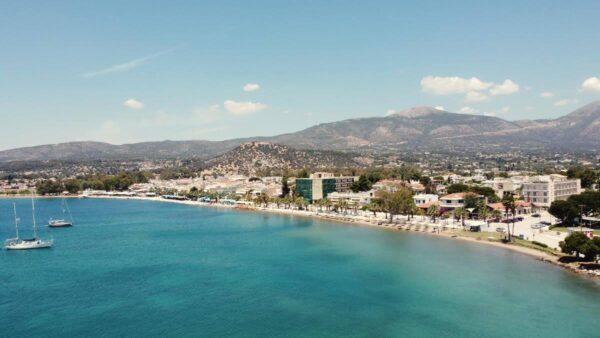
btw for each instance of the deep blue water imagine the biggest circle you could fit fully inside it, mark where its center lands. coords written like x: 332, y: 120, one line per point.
x: 135, y: 268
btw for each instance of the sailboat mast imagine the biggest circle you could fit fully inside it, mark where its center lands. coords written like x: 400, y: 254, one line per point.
x: 16, y: 220
x: 68, y: 210
x: 33, y: 217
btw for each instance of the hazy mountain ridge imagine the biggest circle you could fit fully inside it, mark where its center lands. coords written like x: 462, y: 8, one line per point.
x: 421, y: 128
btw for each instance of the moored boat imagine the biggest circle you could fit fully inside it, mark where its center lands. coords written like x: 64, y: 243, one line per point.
x: 18, y: 243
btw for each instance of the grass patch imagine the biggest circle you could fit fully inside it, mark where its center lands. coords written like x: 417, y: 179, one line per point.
x: 564, y: 229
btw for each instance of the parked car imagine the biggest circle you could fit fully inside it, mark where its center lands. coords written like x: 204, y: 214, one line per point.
x: 545, y: 223
x: 535, y: 215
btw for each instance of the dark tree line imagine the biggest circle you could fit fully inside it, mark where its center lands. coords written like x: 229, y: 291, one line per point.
x: 119, y: 182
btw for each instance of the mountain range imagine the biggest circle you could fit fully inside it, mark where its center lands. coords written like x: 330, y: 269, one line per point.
x: 419, y: 128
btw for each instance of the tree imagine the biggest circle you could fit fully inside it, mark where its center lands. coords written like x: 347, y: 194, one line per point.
x: 588, y: 200
x: 285, y: 188
x: 300, y: 202
x: 263, y: 199
x: 470, y: 200
x: 363, y: 184
x: 510, y: 208
x: 303, y: 173
x: 591, y: 249
x: 460, y: 214
x: 574, y: 243
x: 399, y: 201
x: 49, y: 187
x: 457, y: 187
x: 73, y: 186
x: 433, y: 211
x: 374, y: 206
x: 566, y: 211
x: 588, y: 176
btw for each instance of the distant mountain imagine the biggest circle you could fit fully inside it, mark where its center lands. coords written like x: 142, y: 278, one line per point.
x: 98, y: 150
x: 253, y: 157
x: 420, y: 128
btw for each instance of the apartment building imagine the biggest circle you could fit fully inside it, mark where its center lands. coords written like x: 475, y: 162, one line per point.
x: 543, y: 190
x: 320, y: 185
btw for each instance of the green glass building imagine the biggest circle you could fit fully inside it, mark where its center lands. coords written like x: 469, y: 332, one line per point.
x: 313, y: 189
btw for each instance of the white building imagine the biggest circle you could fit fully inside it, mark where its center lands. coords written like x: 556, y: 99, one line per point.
x: 456, y: 200
x: 421, y: 199
x: 543, y: 190
x: 353, y: 198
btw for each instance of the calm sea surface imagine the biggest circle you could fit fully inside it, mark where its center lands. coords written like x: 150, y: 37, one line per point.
x: 136, y: 268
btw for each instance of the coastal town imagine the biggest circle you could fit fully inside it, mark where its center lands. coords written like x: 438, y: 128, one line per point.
x: 532, y: 212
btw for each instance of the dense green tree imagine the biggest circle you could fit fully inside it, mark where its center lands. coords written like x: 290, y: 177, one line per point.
x: 73, y: 185
x: 588, y: 176
x: 285, y: 188
x: 591, y: 249
x: 587, y: 201
x: 49, y: 187
x: 457, y: 187
x: 566, y: 211
x: 574, y: 243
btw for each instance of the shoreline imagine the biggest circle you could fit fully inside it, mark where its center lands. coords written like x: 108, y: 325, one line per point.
x: 451, y: 234
x: 353, y: 220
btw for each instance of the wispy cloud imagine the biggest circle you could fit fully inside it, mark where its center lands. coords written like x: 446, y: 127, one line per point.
x: 129, y: 65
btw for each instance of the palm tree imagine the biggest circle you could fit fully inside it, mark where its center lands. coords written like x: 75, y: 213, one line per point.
x: 300, y: 202
x: 509, y: 206
x: 460, y: 213
x: 343, y: 205
x: 433, y: 211
x: 327, y: 203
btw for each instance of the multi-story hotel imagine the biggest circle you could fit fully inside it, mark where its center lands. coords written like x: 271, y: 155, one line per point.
x: 319, y: 185
x: 543, y: 190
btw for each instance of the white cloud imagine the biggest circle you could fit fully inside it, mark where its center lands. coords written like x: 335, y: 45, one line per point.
x: 468, y: 110
x: 474, y: 96
x: 508, y: 87
x: 439, y: 107
x: 491, y: 113
x: 591, y: 84
x: 546, y: 95
x: 133, y: 104
x: 243, y: 108
x: 475, y: 90
x: 452, y: 85
x: 251, y: 87
x: 127, y: 66
x: 504, y: 109
x: 390, y: 112
x: 565, y: 102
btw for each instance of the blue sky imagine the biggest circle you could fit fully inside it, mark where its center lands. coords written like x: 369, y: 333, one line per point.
x: 128, y: 71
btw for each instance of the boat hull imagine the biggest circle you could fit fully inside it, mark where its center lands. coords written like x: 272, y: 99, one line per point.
x: 60, y: 225
x: 28, y: 245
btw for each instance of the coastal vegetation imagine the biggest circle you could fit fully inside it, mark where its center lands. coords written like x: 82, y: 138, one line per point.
x: 578, y: 243
x: 570, y: 211
x: 119, y: 182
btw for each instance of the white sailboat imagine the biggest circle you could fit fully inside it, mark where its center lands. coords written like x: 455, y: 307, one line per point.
x: 18, y: 243
x: 61, y: 223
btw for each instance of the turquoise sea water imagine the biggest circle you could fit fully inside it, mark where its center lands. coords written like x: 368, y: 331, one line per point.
x: 136, y: 268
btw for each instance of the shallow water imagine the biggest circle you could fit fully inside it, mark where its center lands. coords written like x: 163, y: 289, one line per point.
x: 139, y: 268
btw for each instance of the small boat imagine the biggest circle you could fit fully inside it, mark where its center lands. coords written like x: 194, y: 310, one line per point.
x: 59, y: 223
x: 18, y: 243
x: 62, y: 222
